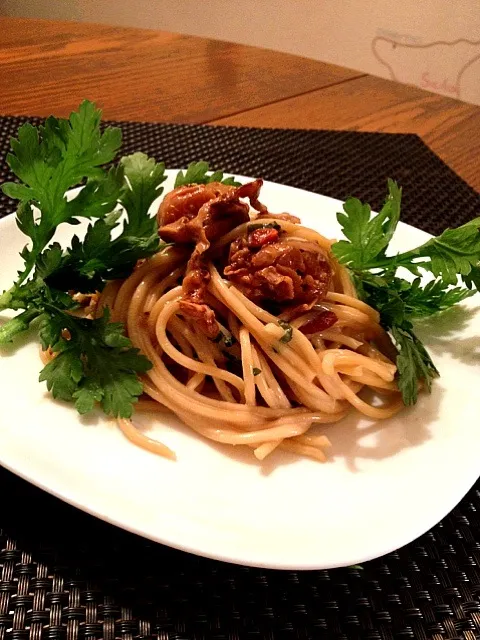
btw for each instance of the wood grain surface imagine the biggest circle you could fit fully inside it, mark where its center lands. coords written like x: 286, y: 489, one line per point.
x: 138, y: 74
x: 450, y: 127
x: 135, y: 74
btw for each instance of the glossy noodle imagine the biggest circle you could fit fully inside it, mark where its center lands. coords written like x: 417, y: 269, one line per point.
x: 255, y: 332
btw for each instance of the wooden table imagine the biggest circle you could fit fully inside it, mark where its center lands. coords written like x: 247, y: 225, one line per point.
x: 136, y: 74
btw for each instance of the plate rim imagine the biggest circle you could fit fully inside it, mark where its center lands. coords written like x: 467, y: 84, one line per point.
x: 65, y: 496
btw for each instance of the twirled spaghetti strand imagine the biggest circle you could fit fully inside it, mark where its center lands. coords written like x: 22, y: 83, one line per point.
x: 277, y: 391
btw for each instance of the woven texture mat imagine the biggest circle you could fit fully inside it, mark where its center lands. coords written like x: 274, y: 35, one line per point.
x: 64, y: 574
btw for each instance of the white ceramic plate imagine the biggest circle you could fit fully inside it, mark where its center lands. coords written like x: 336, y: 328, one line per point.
x: 385, y: 484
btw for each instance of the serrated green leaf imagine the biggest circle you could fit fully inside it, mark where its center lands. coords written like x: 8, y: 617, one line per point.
x: 452, y: 254
x: 413, y: 363
x: 50, y: 330
x: 120, y: 392
x: 95, y: 364
x: 198, y: 173
x: 98, y: 197
x: 421, y: 302
x: 472, y: 279
x: 62, y: 375
x: 49, y: 261
x: 114, y: 335
x: 25, y: 219
x: 143, y: 177
x: 367, y: 236
x: 50, y: 160
x: 87, y: 394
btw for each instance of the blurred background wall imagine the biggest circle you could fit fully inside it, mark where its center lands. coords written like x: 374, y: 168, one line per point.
x: 434, y: 44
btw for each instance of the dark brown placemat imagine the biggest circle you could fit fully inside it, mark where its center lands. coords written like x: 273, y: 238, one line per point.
x: 64, y: 574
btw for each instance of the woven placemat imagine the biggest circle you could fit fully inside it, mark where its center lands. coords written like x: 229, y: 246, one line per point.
x: 64, y: 574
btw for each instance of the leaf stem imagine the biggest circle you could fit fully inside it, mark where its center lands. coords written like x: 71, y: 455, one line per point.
x: 16, y: 325
x: 6, y: 298
x: 393, y: 261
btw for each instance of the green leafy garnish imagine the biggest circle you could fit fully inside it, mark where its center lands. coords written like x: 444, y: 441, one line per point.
x: 96, y: 363
x: 452, y: 258
x: 143, y: 177
x: 453, y: 254
x: 367, y: 236
x: 199, y: 173
x: 104, y: 254
x: 256, y: 371
x: 50, y: 160
x: 413, y: 362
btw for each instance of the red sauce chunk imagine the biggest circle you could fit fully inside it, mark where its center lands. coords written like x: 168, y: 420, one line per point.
x: 324, y: 320
x: 261, y: 237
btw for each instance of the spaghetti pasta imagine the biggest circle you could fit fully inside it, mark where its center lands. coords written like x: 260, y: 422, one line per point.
x: 245, y: 325
x: 262, y: 382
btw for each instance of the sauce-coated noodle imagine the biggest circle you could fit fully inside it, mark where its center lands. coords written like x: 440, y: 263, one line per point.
x: 266, y: 389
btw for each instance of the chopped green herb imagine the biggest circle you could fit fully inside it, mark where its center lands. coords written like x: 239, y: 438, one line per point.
x: 287, y: 336
x: 259, y: 225
x: 256, y: 371
x: 227, y: 338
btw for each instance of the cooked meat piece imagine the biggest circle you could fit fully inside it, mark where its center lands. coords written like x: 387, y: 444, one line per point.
x: 278, y: 272
x: 207, y: 209
x: 197, y: 215
x: 210, y: 209
x: 203, y: 316
x: 186, y: 201
x: 192, y: 303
